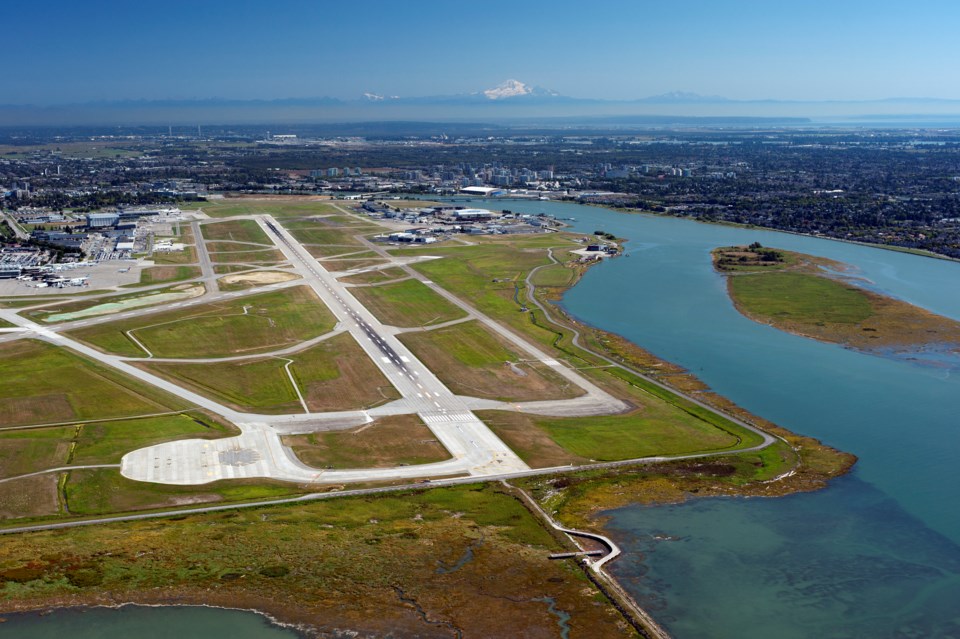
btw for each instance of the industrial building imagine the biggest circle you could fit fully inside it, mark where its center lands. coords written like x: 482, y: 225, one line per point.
x: 473, y: 215
x: 101, y: 220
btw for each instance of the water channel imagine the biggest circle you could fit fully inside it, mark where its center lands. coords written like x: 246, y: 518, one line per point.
x: 874, y: 555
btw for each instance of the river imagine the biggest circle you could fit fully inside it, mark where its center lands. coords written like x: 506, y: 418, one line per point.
x: 876, y: 554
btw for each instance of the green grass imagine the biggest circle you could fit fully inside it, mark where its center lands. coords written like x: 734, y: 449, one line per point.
x: 656, y: 429
x: 800, y: 297
x: 246, y: 325
x: 45, y: 384
x: 259, y: 385
x: 487, y: 275
x: 235, y: 231
x: 160, y: 274
x: 107, y: 442
x: 375, y: 277
x: 187, y: 256
x: 226, y: 269
x: 73, y: 305
x: 390, y: 441
x: 263, y: 256
x: 104, y: 491
x: 554, y: 275
x: 30, y: 450
x: 407, y: 304
x: 22, y: 302
x: 473, y: 361
x: 230, y: 207
x: 224, y: 247
x: 321, y: 234
x: 332, y: 375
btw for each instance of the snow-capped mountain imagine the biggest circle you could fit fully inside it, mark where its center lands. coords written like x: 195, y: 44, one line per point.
x: 515, y: 88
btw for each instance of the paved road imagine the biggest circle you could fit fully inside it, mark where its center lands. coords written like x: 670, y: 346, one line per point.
x: 595, y: 400
x: 258, y: 452
x: 209, y: 276
x: 575, y: 339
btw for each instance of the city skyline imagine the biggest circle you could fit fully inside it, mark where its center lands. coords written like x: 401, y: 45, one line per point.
x: 110, y: 51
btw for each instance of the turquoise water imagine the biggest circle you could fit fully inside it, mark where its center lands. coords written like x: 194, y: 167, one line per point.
x: 181, y: 622
x: 874, y: 555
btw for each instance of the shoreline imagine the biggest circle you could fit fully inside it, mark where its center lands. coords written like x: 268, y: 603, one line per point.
x: 303, y: 631
x: 900, y: 328
x: 788, y: 482
x: 887, y: 247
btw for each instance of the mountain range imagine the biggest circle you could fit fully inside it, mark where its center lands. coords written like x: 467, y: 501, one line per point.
x: 512, y: 101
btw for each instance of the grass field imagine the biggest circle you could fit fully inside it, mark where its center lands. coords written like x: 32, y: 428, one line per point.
x: 407, y: 304
x: 322, y: 251
x: 279, y: 208
x: 235, y: 231
x: 472, y: 361
x: 389, y: 441
x: 107, y: 442
x: 800, y: 297
x: 374, y: 277
x: 160, y: 274
x: 470, y: 557
x: 257, y: 323
x: 187, y: 256
x: 102, y: 491
x: 29, y: 497
x: 555, y: 275
x: 114, y: 303
x: 222, y: 269
x: 30, y: 450
x: 261, y: 256
x: 487, y: 275
x: 259, y: 385
x: 253, y: 279
x: 809, y: 302
x: 224, y: 247
x: 45, y: 384
x: 325, y: 235
x: 655, y: 429
x: 74, y: 150
x: 347, y: 264
x: 333, y: 375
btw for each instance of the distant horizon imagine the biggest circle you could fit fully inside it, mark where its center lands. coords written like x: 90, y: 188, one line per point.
x: 677, y: 96
x: 818, y: 50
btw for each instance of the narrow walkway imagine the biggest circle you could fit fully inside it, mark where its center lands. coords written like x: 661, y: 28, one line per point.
x: 58, y: 470
x: 632, y: 610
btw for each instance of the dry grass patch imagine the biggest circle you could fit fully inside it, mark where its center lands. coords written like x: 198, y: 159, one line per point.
x: 29, y: 497
x: 235, y: 231
x: 407, y: 304
x: 519, y: 431
x: 333, y: 375
x: 45, y: 384
x: 375, y: 276
x: 254, y: 278
x: 471, y: 360
x: 391, y: 441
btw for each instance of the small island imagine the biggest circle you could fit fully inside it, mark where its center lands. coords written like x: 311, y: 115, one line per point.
x: 819, y: 298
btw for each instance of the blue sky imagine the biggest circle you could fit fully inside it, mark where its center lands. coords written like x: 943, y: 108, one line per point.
x: 62, y: 51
